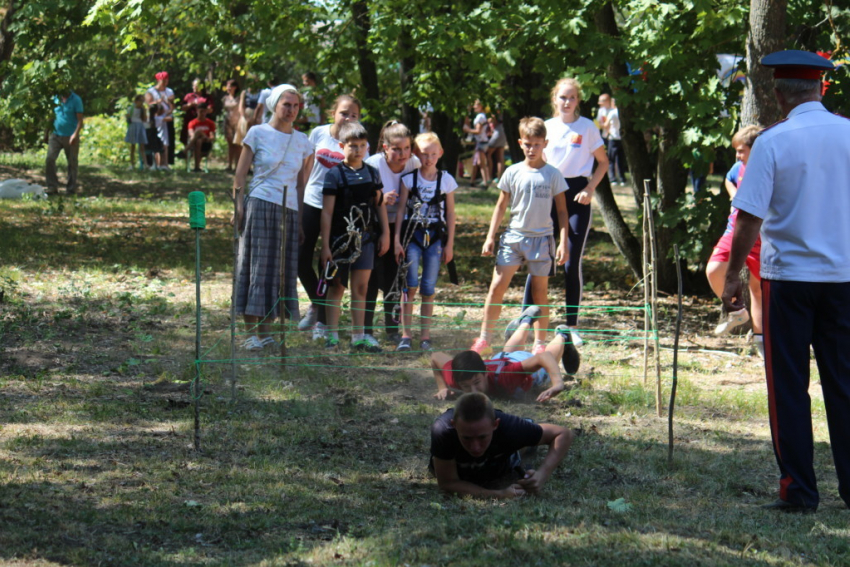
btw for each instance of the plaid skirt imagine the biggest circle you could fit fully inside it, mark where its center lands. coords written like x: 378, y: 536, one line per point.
x: 258, y: 264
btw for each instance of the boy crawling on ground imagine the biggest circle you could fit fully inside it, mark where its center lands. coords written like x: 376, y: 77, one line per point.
x: 513, y: 371
x: 475, y: 450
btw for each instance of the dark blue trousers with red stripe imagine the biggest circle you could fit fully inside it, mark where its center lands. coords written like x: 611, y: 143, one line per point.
x: 796, y: 315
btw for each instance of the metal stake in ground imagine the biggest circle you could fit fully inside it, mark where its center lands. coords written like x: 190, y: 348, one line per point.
x: 282, y: 289
x: 197, y: 222
x: 675, y: 360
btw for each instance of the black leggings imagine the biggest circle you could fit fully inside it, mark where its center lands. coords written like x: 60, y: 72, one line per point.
x: 382, y: 278
x: 577, y: 234
x: 311, y: 220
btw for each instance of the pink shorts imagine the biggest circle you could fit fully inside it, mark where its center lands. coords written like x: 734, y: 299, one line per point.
x: 724, y: 247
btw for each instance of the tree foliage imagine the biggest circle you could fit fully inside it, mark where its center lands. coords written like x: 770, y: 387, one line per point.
x: 658, y: 58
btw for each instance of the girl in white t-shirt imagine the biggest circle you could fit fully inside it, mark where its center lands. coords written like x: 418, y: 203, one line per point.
x: 479, y: 129
x: 328, y: 153
x: 573, y: 143
x: 394, y: 161
x: 432, y: 242
x: 281, y: 157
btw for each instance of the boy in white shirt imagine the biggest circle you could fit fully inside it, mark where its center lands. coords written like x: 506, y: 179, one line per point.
x: 529, y: 187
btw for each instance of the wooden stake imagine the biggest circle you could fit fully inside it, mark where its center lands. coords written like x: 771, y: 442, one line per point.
x: 282, y: 289
x: 646, y: 284
x: 233, y: 305
x: 654, y: 303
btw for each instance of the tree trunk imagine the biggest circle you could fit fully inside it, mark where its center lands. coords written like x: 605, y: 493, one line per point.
x: 637, y: 155
x: 447, y: 130
x: 620, y: 233
x: 766, y: 35
x: 7, y: 37
x: 370, y: 97
x: 634, y: 144
x: 527, y: 99
x: 407, y: 61
x: 672, y: 181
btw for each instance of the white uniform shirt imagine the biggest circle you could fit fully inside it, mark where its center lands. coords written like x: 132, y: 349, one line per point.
x: 571, y: 146
x: 269, y: 145
x: 798, y: 182
x: 390, y: 179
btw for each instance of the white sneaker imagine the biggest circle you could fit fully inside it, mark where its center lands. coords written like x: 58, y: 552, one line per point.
x: 309, y: 319
x: 373, y: 342
x: 252, y: 343
x: 733, y: 319
x: 575, y: 337
x: 165, y: 167
x: 320, y: 331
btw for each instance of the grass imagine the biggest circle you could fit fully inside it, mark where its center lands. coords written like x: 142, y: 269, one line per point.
x: 324, y: 463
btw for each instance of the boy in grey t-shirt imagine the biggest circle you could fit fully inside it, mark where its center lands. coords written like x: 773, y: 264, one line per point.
x: 529, y: 187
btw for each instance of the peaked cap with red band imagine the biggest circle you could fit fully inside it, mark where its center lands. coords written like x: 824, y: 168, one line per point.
x: 795, y: 64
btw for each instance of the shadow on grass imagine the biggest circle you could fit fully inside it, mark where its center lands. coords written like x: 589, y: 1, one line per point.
x: 335, y: 474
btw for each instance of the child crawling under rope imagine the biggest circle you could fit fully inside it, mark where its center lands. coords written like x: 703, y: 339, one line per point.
x: 512, y: 372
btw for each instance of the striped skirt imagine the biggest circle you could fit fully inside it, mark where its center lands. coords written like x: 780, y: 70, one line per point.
x: 258, y: 264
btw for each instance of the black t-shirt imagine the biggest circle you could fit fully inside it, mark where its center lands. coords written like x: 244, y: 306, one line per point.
x: 363, y: 186
x: 514, y: 433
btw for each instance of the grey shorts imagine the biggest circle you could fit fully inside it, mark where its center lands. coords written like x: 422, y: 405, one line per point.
x: 538, y: 253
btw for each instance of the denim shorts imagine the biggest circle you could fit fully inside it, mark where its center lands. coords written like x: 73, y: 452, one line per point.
x: 366, y: 261
x: 429, y: 258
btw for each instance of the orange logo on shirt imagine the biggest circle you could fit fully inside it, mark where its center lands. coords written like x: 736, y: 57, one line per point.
x: 575, y: 140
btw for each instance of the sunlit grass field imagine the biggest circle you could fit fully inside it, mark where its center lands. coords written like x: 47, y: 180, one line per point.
x: 323, y: 461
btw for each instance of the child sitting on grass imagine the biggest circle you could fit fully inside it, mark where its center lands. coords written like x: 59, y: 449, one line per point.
x: 530, y: 188
x: 350, y: 186
x: 432, y: 241
x: 513, y: 371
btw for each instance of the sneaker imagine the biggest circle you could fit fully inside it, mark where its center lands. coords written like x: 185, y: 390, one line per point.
x: 394, y: 338
x: 331, y: 343
x: 425, y: 345
x: 164, y: 168
x: 538, y: 348
x: 373, y: 342
x: 365, y: 344
x: 269, y: 341
x: 532, y: 311
x: 252, y: 343
x: 733, y: 319
x: 404, y: 345
x: 320, y: 331
x: 309, y: 318
x: 571, y: 360
x: 575, y: 338
x: 481, y: 347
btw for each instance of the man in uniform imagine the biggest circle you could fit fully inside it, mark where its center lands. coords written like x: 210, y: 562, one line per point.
x: 797, y: 192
